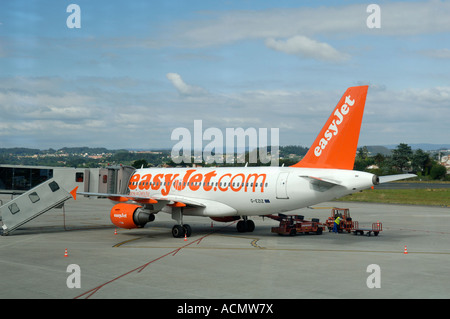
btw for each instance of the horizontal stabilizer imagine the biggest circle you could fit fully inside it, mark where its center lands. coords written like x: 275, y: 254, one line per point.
x: 391, y: 178
x: 321, y: 184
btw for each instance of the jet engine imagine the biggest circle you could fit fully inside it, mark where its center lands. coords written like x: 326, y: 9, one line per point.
x: 130, y: 216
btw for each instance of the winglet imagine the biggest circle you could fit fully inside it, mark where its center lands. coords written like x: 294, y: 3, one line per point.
x: 73, y: 192
x: 336, y: 144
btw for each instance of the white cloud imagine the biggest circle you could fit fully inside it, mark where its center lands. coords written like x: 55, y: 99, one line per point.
x: 183, y: 88
x: 305, y: 47
x: 33, y: 117
x: 40, y: 106
x: 232, y: 26
x: 397, y: 18
x: 438, y: 53
x: 415, y: 115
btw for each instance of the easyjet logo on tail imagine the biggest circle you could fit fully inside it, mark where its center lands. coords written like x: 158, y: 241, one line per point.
x: 333, y: 130
x: 194, y: 180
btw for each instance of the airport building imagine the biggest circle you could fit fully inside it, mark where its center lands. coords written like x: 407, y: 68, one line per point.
x: 444, y: 159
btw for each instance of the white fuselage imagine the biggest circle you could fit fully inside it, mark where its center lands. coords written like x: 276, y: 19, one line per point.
x: 246, y: 191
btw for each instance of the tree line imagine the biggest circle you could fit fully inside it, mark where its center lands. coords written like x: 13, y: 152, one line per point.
x: 402, y: 160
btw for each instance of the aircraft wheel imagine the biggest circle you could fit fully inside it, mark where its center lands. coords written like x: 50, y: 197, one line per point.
x: 187, y: 230
x: 178, y: 231
x: 245, y: 226
x: 250, y: 226
x: 241, y: 226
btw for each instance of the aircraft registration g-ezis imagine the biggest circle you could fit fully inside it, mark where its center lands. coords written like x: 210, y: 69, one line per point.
x: 234, y: 193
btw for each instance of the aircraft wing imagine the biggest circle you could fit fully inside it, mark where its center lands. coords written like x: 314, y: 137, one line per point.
x: 171, y: 200
x: 178, y: 199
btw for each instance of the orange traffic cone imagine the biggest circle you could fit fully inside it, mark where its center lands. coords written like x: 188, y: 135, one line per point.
x: 115, y: 231
x: 185, y: 237
x: 406, y: 251
x: 65, y: 253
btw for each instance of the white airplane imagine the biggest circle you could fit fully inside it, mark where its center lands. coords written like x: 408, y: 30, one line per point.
x: 227, y: 194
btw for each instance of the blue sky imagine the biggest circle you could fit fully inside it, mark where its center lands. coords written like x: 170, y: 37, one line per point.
x: 136, y: 70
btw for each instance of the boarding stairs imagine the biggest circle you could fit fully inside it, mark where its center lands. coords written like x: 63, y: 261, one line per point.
x: 33, y: 203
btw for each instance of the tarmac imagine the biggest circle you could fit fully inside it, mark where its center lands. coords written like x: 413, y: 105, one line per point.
x: 217, y: 262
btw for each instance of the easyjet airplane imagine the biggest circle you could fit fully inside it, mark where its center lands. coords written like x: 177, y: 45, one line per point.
x: 226, y: 194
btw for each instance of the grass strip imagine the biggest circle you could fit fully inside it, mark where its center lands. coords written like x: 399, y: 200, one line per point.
x: 428, y: 196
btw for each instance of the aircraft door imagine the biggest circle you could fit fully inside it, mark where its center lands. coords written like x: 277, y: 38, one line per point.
x: 282, y: 185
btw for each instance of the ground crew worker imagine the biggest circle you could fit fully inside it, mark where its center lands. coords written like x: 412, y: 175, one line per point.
x: 336, y: 224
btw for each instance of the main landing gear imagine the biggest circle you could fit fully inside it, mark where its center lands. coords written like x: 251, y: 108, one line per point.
x: 245, y: 225
x: 180, y: 230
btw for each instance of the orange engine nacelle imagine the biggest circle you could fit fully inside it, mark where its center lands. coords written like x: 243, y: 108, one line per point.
x: 129, y: 216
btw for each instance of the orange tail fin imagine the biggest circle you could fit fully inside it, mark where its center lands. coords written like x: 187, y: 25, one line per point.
x: 336, y: 144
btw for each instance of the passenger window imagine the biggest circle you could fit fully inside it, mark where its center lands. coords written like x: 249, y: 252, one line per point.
x: 34, y: 197
x: 13, y: 208
x: 53, y: 186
